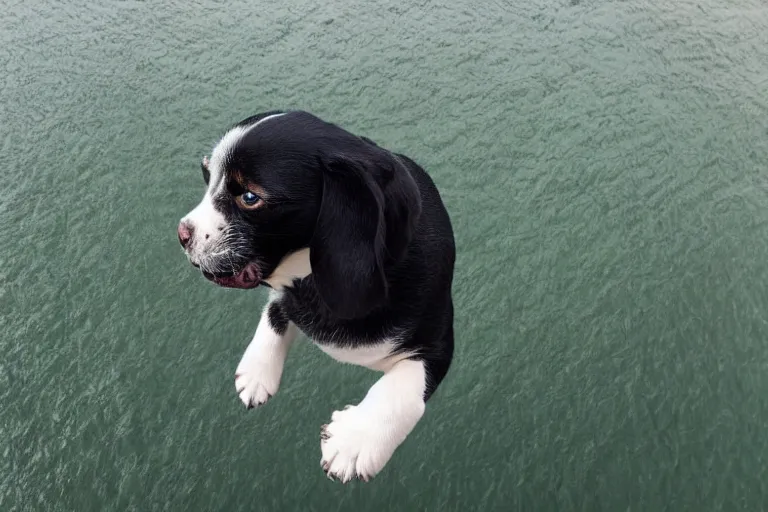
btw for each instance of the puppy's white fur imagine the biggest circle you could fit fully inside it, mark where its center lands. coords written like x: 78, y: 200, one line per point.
x: 207, y: 225
x: 361, y: 439
x: 378, y: 357
x: 294, y: 266
x: 258, y: 375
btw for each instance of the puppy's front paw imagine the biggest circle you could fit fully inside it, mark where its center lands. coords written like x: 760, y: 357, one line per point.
x: 353, y: 446
x: 257, y: 381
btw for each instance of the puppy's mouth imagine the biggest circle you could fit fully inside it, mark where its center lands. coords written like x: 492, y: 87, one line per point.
x: 248, y: 277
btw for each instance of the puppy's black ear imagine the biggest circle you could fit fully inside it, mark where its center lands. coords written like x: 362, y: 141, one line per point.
x: 346, y: 252
x: 367, y: 215
x: 402, y: 206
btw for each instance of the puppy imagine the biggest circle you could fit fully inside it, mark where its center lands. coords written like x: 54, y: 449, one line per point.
x: 357, y: 248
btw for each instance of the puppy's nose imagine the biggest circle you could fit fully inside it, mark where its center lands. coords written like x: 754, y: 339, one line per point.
x: 185, y: 234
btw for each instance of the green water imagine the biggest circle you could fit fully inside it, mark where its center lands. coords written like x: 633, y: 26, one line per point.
x: 604, y: 163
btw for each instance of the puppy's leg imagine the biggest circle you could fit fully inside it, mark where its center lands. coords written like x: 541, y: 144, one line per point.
x: 360, y: 440
x: 257, y: 377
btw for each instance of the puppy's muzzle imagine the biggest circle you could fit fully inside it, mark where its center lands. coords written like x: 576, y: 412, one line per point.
x: 248, y: 277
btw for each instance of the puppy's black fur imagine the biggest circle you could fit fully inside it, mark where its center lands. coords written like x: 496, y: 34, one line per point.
x: 381, y: 243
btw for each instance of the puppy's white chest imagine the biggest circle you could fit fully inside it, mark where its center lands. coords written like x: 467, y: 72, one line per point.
x: 376, y: 357
x: 294, y: 266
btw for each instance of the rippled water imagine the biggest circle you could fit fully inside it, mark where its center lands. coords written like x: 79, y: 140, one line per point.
x: 604, y: 163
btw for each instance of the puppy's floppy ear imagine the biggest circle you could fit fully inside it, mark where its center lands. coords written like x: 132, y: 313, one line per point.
x: 364, y: 224
x: 402, y: 206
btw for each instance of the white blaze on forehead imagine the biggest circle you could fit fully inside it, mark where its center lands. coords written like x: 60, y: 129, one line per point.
x: 207, y: 222
x: 225, y: 147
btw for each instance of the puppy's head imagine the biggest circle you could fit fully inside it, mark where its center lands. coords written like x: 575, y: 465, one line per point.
x: 288, y: 195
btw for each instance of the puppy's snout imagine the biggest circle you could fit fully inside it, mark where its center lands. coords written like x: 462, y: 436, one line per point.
x: 185, y: 234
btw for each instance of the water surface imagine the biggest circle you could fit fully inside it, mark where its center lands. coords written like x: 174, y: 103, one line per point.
x: 604, y: 163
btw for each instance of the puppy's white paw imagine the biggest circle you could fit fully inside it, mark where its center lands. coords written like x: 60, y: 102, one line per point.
x: 257, y: 381
x: 354, y: 445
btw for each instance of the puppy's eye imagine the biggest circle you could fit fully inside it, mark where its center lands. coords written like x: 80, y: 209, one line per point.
x: 249, y: 200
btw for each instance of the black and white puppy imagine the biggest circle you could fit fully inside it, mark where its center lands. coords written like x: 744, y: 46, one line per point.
x: 358, y: 250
